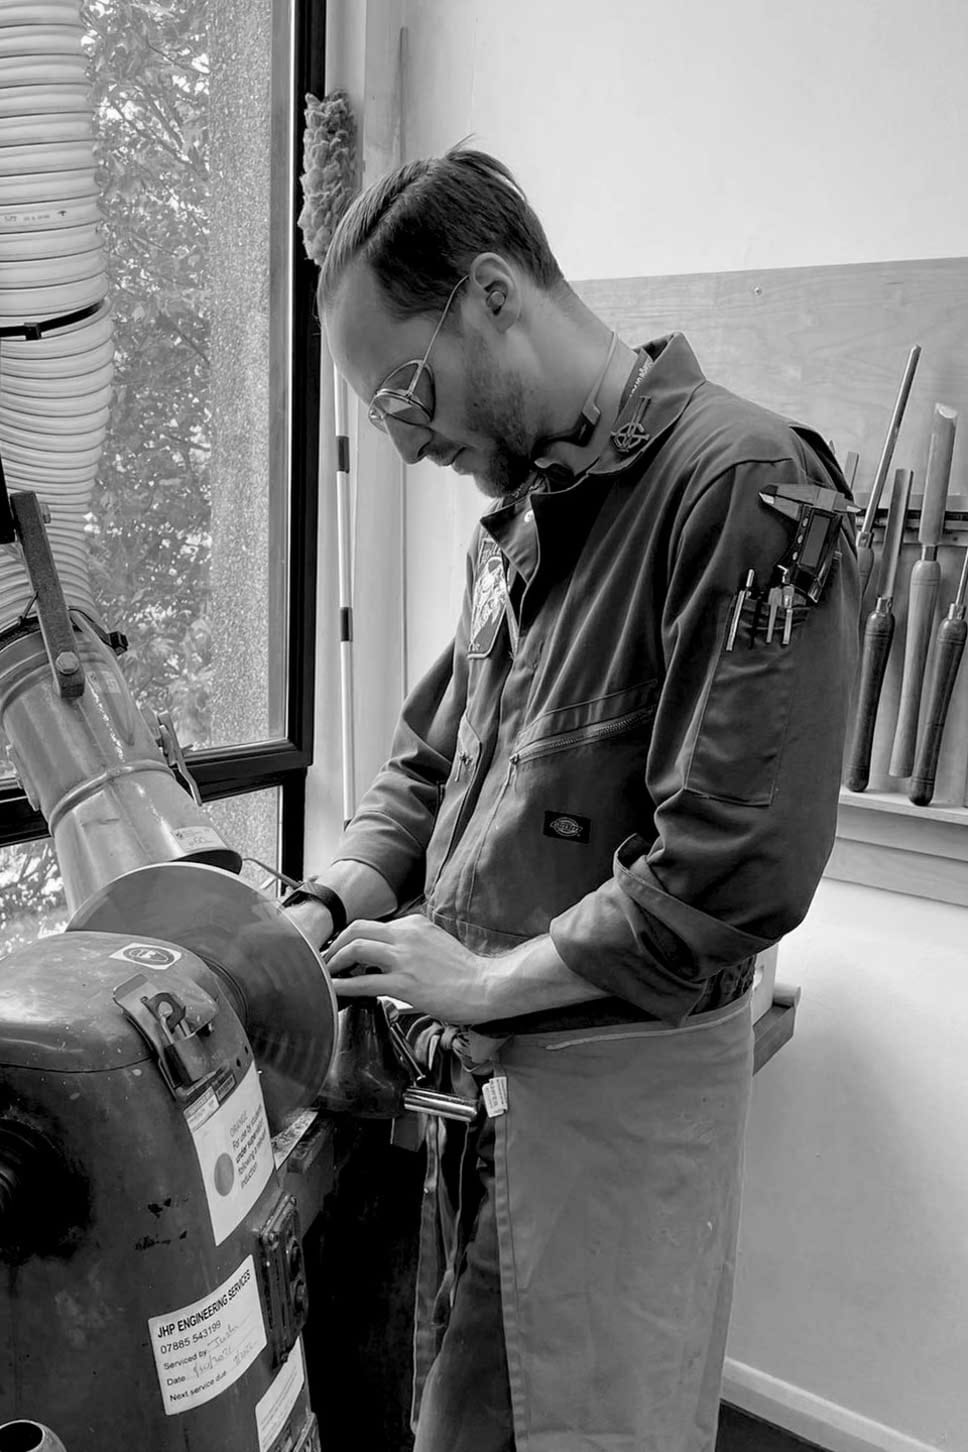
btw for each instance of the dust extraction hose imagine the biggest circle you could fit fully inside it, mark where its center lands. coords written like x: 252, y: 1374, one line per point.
x: 55, y: 381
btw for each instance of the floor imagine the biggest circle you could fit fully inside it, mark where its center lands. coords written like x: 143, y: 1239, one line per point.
x: 739, y: 1432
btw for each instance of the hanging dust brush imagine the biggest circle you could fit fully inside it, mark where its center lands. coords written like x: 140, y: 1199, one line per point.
x: 329, y: 179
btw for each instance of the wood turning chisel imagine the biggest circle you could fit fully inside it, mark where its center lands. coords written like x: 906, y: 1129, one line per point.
x: 878, y: 634
x: 865, y: 538
x: 923, y: 593
x: 949, y: 647
x: 850, y: 469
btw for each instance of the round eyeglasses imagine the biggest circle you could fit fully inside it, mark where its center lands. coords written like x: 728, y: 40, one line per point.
x: 407, y: 394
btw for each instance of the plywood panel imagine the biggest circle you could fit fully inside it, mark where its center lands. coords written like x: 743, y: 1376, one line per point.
x: 828, y: 345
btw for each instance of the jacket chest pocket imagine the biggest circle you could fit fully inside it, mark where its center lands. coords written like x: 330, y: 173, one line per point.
x: 457, y: 803
x: 574, y: 788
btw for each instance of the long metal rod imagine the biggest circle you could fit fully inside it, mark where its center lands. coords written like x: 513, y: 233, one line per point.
x: 865, y: 539
x: 444, y: 1106
x: 345, y: 538
x: 887, y: 453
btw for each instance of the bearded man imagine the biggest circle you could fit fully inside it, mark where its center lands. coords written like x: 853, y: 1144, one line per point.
x: 617, y: 785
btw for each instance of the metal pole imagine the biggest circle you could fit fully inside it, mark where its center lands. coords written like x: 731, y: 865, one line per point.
x: 345, y: 541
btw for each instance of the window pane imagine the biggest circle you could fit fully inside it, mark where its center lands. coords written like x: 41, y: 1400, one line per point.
x: 189, y: 518
x: 251, y: 824
x: 31, y: 894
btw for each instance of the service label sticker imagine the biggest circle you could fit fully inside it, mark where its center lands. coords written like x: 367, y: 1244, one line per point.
x: 234, y: 1152
x: 198, y: 839
x: 201, y: 1349
x: 272, y: 1410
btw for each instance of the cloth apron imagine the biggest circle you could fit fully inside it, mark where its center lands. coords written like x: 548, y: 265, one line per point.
x: 618, y: 1169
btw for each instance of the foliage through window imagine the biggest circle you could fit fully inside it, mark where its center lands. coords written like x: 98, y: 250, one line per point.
x: 190, y: 526
x: 150, y: 529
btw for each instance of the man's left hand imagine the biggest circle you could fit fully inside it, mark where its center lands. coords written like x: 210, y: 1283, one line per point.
x: 417, y: 963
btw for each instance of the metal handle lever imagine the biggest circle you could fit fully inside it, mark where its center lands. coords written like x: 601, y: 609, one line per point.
x: 29, y: 515
x: 444, y: 1106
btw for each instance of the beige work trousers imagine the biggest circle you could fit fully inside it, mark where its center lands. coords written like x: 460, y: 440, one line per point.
x: 618, y: 1169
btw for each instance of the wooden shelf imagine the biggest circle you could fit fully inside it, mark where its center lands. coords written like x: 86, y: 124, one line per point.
x: 885, y: 841
x: 898, y: 803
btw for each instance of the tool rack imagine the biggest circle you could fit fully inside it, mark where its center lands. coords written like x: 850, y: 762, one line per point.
x: 951, y: 789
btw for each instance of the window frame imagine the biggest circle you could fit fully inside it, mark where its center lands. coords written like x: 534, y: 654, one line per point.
x: 234, y: 771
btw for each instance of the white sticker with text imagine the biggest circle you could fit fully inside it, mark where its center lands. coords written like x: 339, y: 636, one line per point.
x: 272, y: 1410
x: 234, y: 1152
x: 197, y: 839
x: 201, y: 1349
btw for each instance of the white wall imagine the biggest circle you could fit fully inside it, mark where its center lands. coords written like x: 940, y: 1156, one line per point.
x: 706, y: 136
x: 701, y: 137
x: 853, y: 1271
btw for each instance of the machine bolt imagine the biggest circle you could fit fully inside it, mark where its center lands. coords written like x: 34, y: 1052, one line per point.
x: 67, y: 663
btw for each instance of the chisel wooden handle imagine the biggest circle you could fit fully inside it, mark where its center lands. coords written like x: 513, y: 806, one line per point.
x: 948, y: 650
x: 878, y: 635
x: 925, y: 579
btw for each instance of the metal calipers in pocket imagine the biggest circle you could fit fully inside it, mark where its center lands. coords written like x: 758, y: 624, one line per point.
x: 818, y: 515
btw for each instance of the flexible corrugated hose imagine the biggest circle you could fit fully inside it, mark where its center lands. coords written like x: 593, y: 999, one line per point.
x: 55, y: 381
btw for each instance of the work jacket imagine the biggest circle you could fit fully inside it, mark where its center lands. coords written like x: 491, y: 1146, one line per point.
x: 593, y: 756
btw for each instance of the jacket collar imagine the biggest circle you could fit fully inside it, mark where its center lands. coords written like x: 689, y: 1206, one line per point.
x: 655, y: 404
x: 565, y: 506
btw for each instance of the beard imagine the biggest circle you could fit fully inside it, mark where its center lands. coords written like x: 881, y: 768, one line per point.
x: 496, y: 411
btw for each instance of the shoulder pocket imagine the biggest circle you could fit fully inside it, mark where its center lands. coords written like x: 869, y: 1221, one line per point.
x: 738, y: 744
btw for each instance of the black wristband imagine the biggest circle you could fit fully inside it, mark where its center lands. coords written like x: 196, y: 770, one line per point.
x: 331, y: 901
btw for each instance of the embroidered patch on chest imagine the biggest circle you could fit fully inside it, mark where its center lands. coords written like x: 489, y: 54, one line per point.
x: 487, y: 608
x: 567, y: 827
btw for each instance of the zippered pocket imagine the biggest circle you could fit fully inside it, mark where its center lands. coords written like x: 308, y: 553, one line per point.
x: 582, y: 735
x: 565, y: 802
x: 457, y: 802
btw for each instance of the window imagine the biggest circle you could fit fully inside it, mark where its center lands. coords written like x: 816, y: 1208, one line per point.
x: 203, y: 518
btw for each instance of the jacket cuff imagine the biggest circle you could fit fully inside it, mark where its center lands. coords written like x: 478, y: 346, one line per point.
x: 632, y: 939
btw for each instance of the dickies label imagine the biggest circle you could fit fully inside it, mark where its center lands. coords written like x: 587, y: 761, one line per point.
x: 567, y: 827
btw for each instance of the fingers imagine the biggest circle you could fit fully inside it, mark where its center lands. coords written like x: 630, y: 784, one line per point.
x: 361, y: 953
x: 386, y: 947
x: 371, y: 929
x: 371, y: 985
x: 368, y: 939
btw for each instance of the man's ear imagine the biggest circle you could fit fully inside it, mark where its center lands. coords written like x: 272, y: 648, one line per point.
x: 493, y: 285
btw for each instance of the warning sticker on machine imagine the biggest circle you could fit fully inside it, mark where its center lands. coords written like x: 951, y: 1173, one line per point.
x: 272, y: 1411
x: 201, y: 1349
x: 234, y: 1152
x: 148, y: 955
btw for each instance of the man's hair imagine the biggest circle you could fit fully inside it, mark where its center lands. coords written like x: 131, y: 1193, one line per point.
x: 420, y: 227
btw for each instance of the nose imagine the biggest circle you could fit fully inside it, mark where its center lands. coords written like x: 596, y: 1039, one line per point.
x: 410, y: 440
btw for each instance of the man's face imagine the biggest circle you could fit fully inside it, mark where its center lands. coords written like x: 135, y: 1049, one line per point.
x: 479, y: 424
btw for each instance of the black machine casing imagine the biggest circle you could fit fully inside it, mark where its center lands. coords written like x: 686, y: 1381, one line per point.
x: 154, y: 1289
